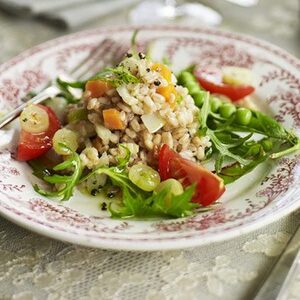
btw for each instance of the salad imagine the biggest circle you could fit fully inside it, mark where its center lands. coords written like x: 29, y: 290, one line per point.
x: 143, y: 137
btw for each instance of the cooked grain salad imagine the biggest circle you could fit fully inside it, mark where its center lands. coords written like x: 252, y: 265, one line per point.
x: 141, y: 137
x: 142, y: 116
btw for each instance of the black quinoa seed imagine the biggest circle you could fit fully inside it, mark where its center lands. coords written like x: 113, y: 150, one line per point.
x: 111, y: 194
x: 94, y: 192
x: 128, y: 54
x: 141, y: 55
x: 103, y: 206
x: 157, y: 82
x: 148, y: 70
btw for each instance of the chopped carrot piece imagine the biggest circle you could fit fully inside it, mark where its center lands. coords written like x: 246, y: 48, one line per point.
x: 164, y: 71
x: 112, y: 119
x: 97, y: 87
x: 166, y: 91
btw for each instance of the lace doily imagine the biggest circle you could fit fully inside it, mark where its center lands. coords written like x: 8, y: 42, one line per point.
x: 33, y: 267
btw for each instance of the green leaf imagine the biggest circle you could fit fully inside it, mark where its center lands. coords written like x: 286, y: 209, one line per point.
x: 219, y: 162
x: 57, y: 179
x: 224, y: 150
x: 116, y: 76
x: 287, y: 151
x: 123, y: 160
x: 270, y: 126
x: 134, y: 205
x: 158, y: 204
x: 64, y: 87
x: 204, y: 111
x: 64, y: 165
x: 235, y: 171
x: 68, y: 181
x: 230, y: 139
x: 177, y: 206
x: 39, y: 169
x: 74, y: 84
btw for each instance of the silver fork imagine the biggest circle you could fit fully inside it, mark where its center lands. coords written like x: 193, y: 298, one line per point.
x: 106, y: 51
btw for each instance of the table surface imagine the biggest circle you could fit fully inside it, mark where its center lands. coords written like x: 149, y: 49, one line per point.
x: 34, y: 267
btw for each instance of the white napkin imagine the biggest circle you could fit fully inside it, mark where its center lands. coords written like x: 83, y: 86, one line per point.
x: 67, y: 13
x: 80, y: 14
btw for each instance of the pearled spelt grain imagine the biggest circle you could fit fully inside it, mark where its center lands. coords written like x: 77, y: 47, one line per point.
x: 180, y: 121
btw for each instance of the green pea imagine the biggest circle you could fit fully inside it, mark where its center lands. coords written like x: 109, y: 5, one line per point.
x: 243, y: 116
x: 254, y: 150
x: 193, y: 87
x: 267, y: 144
x: 198, y: 98
x: 215, y: 104
x: 186, y: 77
x: 227, y: 110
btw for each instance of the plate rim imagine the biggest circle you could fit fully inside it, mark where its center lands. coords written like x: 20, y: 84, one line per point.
x: 154, y: 245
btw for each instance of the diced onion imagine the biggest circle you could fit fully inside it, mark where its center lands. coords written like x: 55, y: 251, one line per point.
x: 103, y: 133
x: 103, y: 160
x: 153, y: 122
x: 125, y: 95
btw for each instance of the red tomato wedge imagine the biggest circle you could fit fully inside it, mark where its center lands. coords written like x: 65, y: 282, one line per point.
x: 34, y: 145
x: 210, y: 78
x: 209, y: 187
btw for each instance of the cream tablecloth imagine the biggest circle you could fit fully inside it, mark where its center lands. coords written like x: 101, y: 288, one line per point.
x: 34, y: 267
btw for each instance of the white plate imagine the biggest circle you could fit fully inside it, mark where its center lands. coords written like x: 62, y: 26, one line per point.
x: 267, y: 194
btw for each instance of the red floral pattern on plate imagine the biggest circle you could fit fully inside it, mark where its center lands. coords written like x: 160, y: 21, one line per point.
x: 208, y: 52
x: 18, y: 201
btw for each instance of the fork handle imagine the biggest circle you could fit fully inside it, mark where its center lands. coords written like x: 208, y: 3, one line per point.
x: 49, y: 92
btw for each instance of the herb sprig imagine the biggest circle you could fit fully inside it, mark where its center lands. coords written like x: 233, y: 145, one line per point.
x: 116, y: 76
x: 136, y: 202
x: 157, y: 204
x: 66, y: 182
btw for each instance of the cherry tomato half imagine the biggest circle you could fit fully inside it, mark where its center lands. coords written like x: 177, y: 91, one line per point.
x: 210, y: 78
x: 34, y: 145
x: 209, y: 187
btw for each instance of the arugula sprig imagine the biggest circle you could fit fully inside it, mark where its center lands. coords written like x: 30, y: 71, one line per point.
x: 65, y: 91
x: 66, y: 182
x: 157, y: 204
x: 234, y: 142
x: 114, y: 76
x: 138, y: 203
x: 135, y: 202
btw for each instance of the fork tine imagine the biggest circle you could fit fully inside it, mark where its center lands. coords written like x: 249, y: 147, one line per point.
x: 111, y: 57
x: 99, y: 51
x: 97, y: 56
